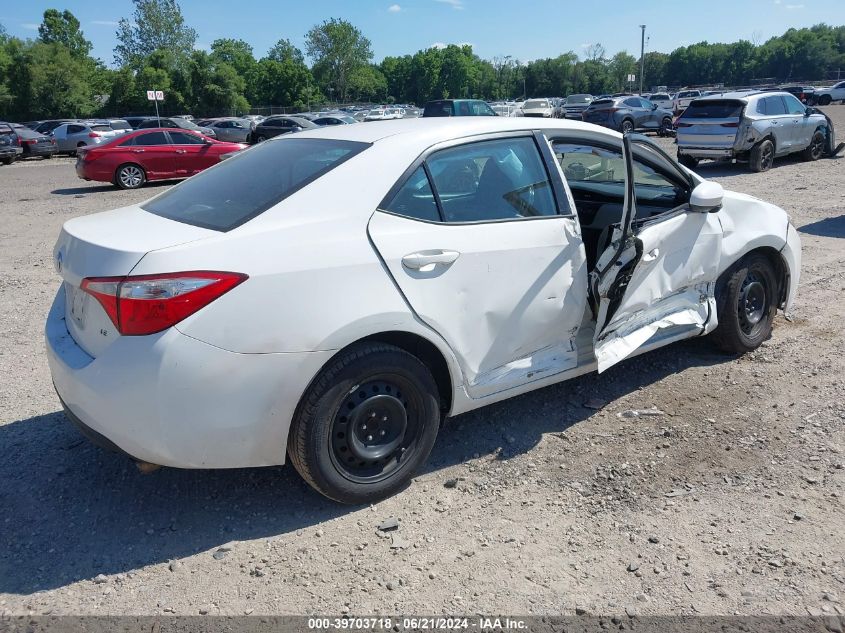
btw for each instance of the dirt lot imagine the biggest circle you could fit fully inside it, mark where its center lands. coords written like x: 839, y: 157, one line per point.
x: 731, y: 501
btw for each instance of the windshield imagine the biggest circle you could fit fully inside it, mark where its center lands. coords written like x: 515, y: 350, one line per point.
x: 247, y: 184
x: 578, y: 99
x: 536, y: 104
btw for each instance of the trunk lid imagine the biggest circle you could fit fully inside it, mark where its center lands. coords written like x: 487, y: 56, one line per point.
x: 109, y: 244
x: 711, y: 124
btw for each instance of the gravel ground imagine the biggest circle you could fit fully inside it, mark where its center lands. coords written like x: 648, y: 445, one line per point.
x: 730, y: 501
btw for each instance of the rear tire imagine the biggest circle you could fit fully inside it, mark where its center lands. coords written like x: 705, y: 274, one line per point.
x: 815, y: 150
x: 329, y: 442
x: 746, y: 302
x: 825, y: 100
x: 762, y: 156
x: 9, y: 161
x: 627, y: 126
x: 130, y: 176
x: 260, y: 138
x: 688, y: 161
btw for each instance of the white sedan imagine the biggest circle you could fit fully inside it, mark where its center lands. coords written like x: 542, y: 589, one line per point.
x: 332, y: 296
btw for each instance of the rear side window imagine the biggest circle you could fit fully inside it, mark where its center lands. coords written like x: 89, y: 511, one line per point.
x: 492, y: 180
x: 185, y: 138
x: 771, y: 106
x: 248, y: 184
x: 415, y: 199
x: 713, y: 110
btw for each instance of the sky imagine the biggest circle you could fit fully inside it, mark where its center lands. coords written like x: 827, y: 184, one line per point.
x: 524, y: 29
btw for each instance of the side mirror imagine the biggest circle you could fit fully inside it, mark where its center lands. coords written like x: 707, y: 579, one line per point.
x: 654, y: 106
x: 707, y: 197
x: 808, y: 111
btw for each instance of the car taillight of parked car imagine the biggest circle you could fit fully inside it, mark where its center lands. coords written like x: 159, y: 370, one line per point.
x: 146, y: 304
x: 93, y: 135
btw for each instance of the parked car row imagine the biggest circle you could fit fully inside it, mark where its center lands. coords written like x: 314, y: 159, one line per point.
x: 18, y: 141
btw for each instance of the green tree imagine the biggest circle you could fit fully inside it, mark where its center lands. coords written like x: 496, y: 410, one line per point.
x: 63, y: 28
x: 155, y: 25
x: 367, y: 83
x: 337, y: 49
x: 282, y: 78
x: 217, y: 88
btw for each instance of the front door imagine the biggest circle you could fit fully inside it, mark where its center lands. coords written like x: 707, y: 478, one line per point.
x: 484, y: 246
x: 191, y: 153
x: 154, y: 152
x: 655, y: 281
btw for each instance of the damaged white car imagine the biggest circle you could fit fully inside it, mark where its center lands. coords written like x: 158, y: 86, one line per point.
x: 333, y: 296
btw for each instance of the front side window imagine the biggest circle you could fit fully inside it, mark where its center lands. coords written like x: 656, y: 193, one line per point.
x: 251, y: 182
x: 793, y: 106
x: 596, y: 174
x: 492, y: 180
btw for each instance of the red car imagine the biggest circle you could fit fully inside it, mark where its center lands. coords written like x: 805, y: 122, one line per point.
x: 132, y: 159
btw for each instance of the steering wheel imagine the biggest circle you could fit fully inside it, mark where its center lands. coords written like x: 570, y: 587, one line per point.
x: 575, y: 171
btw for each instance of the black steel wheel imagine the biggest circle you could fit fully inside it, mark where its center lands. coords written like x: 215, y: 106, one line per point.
x: 366, y: 424
x: 746, y: 299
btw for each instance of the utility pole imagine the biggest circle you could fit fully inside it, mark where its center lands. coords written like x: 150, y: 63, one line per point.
x: 642, y: 57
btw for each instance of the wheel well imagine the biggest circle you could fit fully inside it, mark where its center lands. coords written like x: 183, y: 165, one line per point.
x: 428, y: 353
x: 781, y: 271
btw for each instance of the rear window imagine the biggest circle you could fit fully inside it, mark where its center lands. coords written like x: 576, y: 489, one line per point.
x: 120, y: 125
x: 688, y: 93
x: 101, y: 128
x: 536, y: 104
x: 713, y: 110
x: 248, y: 184
x: 602, y: 102
x: 578, y: 99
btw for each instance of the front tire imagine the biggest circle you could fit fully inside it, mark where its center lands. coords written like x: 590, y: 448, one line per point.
x: 130, y: 176
x: 366, y: 424
x: 815, y: 150
x: 746, y: 302
x: 8, y: 161
x: 762, y: 156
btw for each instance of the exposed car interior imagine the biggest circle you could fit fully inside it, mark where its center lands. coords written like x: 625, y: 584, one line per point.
x: 596, y: 178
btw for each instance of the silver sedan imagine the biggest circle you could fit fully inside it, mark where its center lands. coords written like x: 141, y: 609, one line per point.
x: 231, y: 130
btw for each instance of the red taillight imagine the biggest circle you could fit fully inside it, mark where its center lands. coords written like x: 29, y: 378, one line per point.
x: 27, y: 141
x: 93, y: 135
x: 146, y: 304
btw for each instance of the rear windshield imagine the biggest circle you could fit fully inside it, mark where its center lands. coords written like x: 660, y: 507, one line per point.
x: 120, y: 125
x: 688, y: 93
x: 248, y: 184
x: 578, y: 99
x: 602, y: 102
x: 101, y: 128
x: 536, y: 104
x: 713, y: 110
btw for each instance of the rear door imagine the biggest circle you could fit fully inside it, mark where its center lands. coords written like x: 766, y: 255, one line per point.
x: 481, y: 239
x: 780, y: 122
x: 655, y: 281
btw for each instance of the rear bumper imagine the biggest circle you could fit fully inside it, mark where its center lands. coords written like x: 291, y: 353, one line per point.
x: 42, y: 151
x: 170, y: 399
x: 705, y: 152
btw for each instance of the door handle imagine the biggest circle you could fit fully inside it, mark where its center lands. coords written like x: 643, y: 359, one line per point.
x: 651, y: 255
x: 180, y: 151
x: 423, y: 259
x: 137, y: 151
